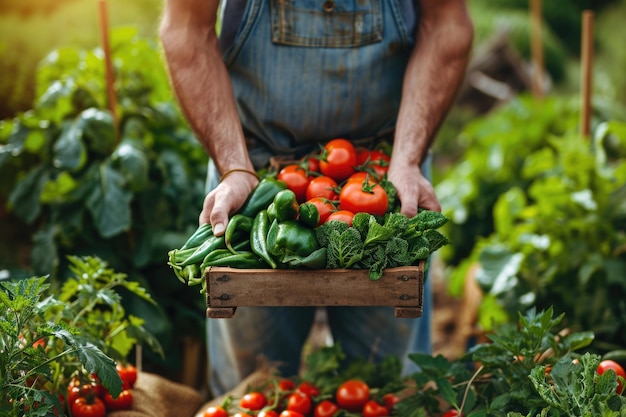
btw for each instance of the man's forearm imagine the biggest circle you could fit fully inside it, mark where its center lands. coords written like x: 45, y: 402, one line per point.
x: 432, y: 79
x: 204, y: 92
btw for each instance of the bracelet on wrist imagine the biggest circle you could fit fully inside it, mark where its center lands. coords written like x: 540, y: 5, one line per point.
x: 230, y: 171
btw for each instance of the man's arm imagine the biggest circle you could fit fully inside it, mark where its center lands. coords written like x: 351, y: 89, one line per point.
x: 432, y: 78
x: 204, y: 92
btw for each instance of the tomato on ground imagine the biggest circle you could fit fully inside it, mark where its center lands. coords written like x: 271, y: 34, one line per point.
x: 345, y: 216
x: 352, y: 394
x: 215, y: 411
x: 124, y: 401
x: 607, y: 364
x: 296, y: 178
x: 325, y: 408
x: 322, y: 186
x: 267, y: 413
x: 363, y: 197
x: 254, y: 400
x: 309, y: 389
x: 390, y: 400
x: 338, y: 159
x: 374, y: 409
x: 300, y: 402
x: 90, y: 406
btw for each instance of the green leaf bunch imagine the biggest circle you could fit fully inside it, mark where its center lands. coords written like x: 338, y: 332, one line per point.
x: 378, y: 243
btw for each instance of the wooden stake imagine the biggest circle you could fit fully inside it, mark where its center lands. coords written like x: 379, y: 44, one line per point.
x: 536, y: 48
x: 108, y: 62
x: 586, y: 72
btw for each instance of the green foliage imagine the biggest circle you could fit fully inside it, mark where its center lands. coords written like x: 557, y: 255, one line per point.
x: 125, y: 188
x: 47, y: 339
x: 527, y: 369
x: 376, y: 244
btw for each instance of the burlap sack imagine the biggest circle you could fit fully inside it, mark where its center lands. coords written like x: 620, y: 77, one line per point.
x: 155, y: 396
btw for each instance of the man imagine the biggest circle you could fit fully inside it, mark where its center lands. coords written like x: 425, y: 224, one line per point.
x: 285, y: 76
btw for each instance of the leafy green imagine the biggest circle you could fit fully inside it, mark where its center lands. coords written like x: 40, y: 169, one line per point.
x: 368, y: 244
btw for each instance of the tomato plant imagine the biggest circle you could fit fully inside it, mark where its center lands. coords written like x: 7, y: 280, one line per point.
x: 607, y: 364
x: 322, y: 186
x: 90, y: 406
x: 296, y: 178
x: 363, y: 197
x: 254, y: 400
x: 124, y: 401
x: 325, y: 408
x: 300, y: 402
x: 352, y: 394
x: 338, y: 159
x: 215, y: 411
x: 345, y: 216
x: 128, y: 374
x: 374, y: 409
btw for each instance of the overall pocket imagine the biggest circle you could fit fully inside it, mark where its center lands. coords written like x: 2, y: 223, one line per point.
x: 326, y: 23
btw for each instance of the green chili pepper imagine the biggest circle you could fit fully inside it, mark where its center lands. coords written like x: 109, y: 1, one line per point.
x: 209, y: 245
x: 261, y: 196
x: 291, y: 238
x: 271, y: 212
x: 286, y: 205
x: 308, y: 215
x: 202, y: 233
x: 238, y: 222
x: 316, y: 260
x: 242, y: 260
x: 258, y: 237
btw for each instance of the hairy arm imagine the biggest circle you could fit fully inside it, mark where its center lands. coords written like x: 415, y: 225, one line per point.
x: 433, y: 76
x: 204, y: 92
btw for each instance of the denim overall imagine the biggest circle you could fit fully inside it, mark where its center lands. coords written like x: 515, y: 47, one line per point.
x: 305, y: 72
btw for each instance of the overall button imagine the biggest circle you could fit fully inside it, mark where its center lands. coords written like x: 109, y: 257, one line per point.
x: 328, y: 6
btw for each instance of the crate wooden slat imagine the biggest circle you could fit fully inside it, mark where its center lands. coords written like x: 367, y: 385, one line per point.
x: 229, y: 288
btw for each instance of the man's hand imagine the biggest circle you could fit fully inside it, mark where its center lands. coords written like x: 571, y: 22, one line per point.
x: 226, y: 199
x: 414, y: 190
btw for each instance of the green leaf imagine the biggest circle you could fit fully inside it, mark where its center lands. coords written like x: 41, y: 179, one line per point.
x: 109, y: 203
x: 69, y: 152
x: 45, y: 251
x: 98, y: 129
x: 131, y: 159
x: 24, y: 198
x: 56, y: 191
x: 498, y: 269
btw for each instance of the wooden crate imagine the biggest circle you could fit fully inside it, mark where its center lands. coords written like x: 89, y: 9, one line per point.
x: 229, y: 288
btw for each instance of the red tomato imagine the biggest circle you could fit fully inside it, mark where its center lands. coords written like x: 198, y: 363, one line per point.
x: 360, y: 176
x: 375, y: 162
x: 309, y: 389
x: 39, y: 343
x: 345, y: 216
x: 291, y: 413
x: 325, y: 408
x: 324, y: 208
x: 296, y: 179
x: 88, y: 407
x: 374, y: 409
x: 362, y: 197
x: 300, y: 402
x: 286, y: 385
x: 215, y: 411
x: 452, y: 413
x: 338, y: 160
x: 352, y: 395
x: 128, y: 374
x: 312, y: 162
x: 607, y: 364
x: 253, y: 401
x: 267, y: 413
x: 124, y: 401
x: 390, y: 400
x: 242, y: 415
x: 322, y: 186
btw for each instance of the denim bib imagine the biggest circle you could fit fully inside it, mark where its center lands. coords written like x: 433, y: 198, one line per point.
x: 307, y: 71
